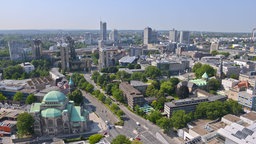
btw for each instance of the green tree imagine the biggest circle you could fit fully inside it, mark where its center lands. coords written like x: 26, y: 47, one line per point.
x: 118, y: 95
x: 108, y: 101
x: 13, y: 72
x: 180, y: 119
x: 174, y: 81
x: 95, y: 76
x: 216, y: 109
x: 156, y: 84
x: 2, y: 97
x: 119, y: 113
x: 204, y: 68
x: 95, y: 138
x: 122, y: 75
x: 114, y: 107
x: 136, y: 76
x: 151, y: 91
x: 25, y: 124
x: 213, y: 84
x: 233, y: 107
x: 152, y: 72
x: 136, y: 142
x: 18, y: 96
x: 96, y: 93
x: 214, y: 53
x: 154, y: 116
x: 183, y: 92
x: 139, y: 111
x: 101, y: 97
x: 95, y: 58
x: 89, y: 88
x: 201, y: 110
x: 164, y: 123
x: 76, y: 96
x: 121, y: 139
x: 196, y: 67
x: 167, y: 87
x: 30, y: 99
x: 159, y: 103
x: 234, y: 76
x: 137, y: 66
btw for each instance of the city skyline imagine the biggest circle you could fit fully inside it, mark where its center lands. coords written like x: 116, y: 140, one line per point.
x: 197, y: 15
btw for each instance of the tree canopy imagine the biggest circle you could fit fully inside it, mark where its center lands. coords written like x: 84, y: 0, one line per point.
x: 95, y: 138
x: 183, y: 92
x: 76, y: 96
x: 121, y: 139
x: 30, y: 99
x: 18, y: 96
x: 217, y: 109
x: 215, y: 52
x: 152, y: 72
x: 164, y: 123
x: 213, y: 85
x: 25, y: 124
x: 200, y: 69
x: 154, y: 116
x: 180, y: 119
x: 167, y: 87
x: 2, y: 97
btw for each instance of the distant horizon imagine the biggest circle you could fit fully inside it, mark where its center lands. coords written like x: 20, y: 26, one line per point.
x: 197, y: 15
x: 111, y: 29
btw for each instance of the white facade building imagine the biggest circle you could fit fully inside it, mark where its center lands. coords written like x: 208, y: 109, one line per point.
x: 229, y: 83
x: 27, y: 66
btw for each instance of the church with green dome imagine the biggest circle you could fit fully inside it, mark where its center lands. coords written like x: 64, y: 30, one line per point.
x: 57, y: 115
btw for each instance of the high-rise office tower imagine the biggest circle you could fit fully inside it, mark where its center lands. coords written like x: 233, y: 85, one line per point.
x: 153, y: 37
x: 184, y: 37
x: 36, y: 50
x: 147, y: 35
x: 113, y: 35
x: 71, y: 46
x: 68, y: 55
x: 103, y: 30
x: 214, y: 46
x: 18, y: 50
x: 150, y: 36
x: 173, y: 35
x: 64, y: 53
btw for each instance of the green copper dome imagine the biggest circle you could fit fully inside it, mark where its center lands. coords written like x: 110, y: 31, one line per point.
x: 54, y: 96
x: 51, y: 113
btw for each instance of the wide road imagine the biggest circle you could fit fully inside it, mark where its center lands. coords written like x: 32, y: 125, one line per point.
x: 147, y: 131
x: 99, y: 108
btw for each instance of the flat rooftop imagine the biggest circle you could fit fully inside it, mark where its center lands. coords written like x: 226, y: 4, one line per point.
x: 138, y: 83
x: 231, y: 118
x: 250, y: 116
x: 9, y: 113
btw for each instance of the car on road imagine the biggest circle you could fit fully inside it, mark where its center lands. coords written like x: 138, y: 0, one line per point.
x: 105, y: 133
x: 137, y: 138
x: 137, y: 123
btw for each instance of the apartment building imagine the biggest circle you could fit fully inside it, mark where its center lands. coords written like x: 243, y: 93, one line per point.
x: 132, y: 95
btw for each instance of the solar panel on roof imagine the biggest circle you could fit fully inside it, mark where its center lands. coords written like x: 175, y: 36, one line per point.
x: 247, y: 131
x: 240, y: 135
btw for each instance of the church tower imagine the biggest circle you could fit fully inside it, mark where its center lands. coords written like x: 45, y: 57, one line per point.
x: 71, y: 85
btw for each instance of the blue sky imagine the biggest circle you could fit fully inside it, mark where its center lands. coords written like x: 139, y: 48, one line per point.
x: 194, y: 15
